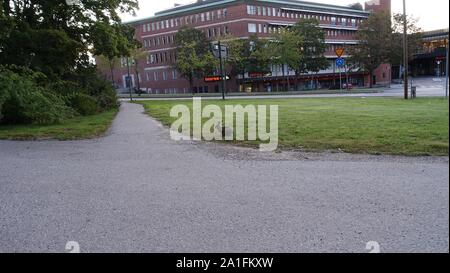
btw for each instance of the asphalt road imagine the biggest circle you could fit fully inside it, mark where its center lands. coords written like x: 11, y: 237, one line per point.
x: 426, y: 87
x: 135, y: 190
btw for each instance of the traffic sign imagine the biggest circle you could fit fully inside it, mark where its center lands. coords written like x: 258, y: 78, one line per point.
x: 339, y: 51
x: 340, y: 62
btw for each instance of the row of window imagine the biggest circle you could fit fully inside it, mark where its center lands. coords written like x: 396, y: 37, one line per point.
x: 169, y: 39
x: 186, y: 20
x: 332, y: 48
x: 340, y: 33
x: 162, y: 57
x: 157, y: 41
x: 263, y: 28
x: 161, y: 75
x: 276, y: 12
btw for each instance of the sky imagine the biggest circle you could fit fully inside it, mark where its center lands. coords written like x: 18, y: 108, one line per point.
x: 432, y: 14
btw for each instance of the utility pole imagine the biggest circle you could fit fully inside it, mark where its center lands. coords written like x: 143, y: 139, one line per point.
x: 405, y: 51
x: 446, y: 72
x: 128, y: 81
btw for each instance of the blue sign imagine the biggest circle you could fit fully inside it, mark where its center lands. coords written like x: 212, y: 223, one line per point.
x: 340, y: 62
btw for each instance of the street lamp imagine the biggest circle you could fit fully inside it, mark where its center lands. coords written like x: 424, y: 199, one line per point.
x: 405, y: 51
x: 128, y: 81
x: 220, y: 51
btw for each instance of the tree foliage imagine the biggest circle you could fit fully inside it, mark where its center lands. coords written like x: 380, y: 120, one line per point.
x: 374, y: 48
x: 286, y: 47
x: 56, y: 40
x: 312, y: 47
x: 194, y: 57
x: 414, y: 38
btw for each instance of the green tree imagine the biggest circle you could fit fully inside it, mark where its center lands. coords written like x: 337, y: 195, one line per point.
x: 415, y: 42
x: 194, y: 57
x: 137, y: 54
x: 286, y: 47
x: 238, y: 57
x: 46, y: 33
x: 375, y: 36
x: 110, y: 43
x: 313, y: 47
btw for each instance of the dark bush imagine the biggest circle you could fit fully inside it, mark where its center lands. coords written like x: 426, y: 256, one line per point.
x: 84, y: 104
x: 23, y: 101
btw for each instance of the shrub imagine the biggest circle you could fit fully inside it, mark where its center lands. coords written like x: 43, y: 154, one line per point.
x: 23, y: 101
x: 84, y: 104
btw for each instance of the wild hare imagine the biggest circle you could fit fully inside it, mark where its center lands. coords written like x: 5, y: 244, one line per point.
x: 226, y: 131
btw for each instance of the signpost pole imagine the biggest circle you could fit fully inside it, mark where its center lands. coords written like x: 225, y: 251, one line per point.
x: 222, y: 76
x: 340, y: 63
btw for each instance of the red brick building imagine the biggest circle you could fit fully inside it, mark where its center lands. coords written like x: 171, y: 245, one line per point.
x: 241, y: 19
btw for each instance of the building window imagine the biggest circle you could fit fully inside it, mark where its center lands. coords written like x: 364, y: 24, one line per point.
x: 225, y: 13
x: 174, y: 74
x: 251, y: 10
x: 333, y: 21
x: 165, y: 75
x: 252, y: 28
x: 155, y: 76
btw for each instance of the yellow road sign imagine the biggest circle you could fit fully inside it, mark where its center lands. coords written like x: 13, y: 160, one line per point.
x: 340, y: 51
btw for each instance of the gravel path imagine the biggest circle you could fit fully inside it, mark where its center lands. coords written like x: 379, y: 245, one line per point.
x: 135, y: 190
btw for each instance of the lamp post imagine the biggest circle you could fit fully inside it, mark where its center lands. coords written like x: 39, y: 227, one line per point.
x: 220, y: 51
x: 405, y: 52
x: 128, y: 81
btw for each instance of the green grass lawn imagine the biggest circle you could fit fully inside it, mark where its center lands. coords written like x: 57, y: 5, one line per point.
x: 355, y: 125
x: 77, y: 128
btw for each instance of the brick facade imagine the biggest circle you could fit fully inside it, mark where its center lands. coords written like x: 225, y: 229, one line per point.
x: 241, y: 18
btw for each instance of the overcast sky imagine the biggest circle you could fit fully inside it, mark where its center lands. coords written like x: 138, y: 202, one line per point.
x: 433, y: 14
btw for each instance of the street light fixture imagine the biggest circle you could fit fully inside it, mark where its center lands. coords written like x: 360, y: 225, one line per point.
x: 128, y: 81
x: 221, y: 52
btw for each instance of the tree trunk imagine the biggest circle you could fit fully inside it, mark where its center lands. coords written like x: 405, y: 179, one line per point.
x: 317, y: 81
x: 371, y: 79
x: 191, y: 86
x: 138, y: 81
x: 111, y: 66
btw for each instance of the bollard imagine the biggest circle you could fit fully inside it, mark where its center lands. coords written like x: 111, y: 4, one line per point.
x: 413, y: 92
